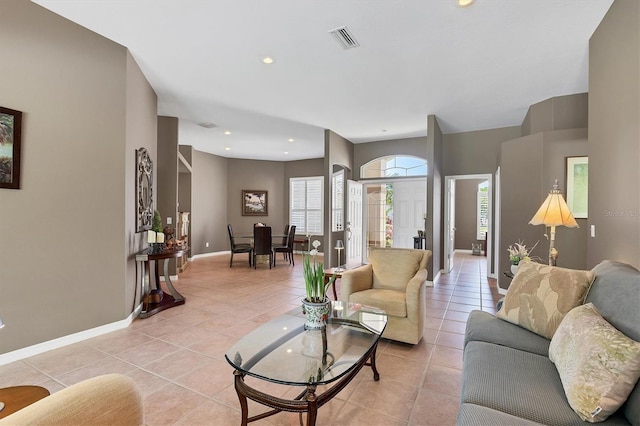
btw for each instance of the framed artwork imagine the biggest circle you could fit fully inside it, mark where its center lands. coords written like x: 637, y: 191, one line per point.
x: 255, y: 202
x: 578, y: 186
x: 10, y: 138
x: 144, y: 190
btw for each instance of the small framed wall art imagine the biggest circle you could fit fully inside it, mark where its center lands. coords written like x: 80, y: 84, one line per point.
x: 255, y: 202
x: 578, y: 186
x: 10, y: 140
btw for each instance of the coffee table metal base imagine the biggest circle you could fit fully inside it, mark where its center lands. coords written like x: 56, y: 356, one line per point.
x: 307, y: 402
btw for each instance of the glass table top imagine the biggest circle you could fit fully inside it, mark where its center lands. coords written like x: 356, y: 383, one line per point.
x: 282, y: 351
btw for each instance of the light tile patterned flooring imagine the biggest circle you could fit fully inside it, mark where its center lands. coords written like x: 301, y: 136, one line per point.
x: 177, y: 356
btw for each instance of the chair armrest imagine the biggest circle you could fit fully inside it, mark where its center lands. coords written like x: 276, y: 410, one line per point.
x: 112, y: 399
x: 354, y: 280
x: 415, y: 293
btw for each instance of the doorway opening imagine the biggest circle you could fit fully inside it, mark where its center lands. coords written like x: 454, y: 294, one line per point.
x: 468, y: 219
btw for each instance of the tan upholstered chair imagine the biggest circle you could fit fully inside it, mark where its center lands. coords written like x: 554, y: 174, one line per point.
x: 112, y: 399
x: 394, y: 280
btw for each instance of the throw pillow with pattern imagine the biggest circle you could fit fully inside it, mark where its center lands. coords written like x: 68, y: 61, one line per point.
x: 598, y: 364
x: 540, y: 296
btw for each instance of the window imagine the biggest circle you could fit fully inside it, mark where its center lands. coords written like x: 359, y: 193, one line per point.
x: 337, y: 201
x: 305, y: 204
x: 482, y: 210
x: 394, y: 166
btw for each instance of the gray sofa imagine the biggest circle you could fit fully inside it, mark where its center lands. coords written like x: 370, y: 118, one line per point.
x: 507, y: 377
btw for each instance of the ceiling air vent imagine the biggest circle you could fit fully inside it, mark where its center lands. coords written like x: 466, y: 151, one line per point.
x: 344, y: 37
x: 208, y: 125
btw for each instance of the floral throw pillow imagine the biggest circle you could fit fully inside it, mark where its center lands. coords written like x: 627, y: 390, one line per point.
x: 598, y: 365
x: 541, y: 295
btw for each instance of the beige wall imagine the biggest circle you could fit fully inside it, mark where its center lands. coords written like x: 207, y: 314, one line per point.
x: 614, y: 136
x: 141, y: 131
x: 209, y: 186
x: 68, y: 233
x: 477, y: 152
x: 529, y: 166
x: 255, y: 175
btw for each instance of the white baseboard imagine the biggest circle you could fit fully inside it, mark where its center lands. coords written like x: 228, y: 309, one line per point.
x: 60, y: 342
x: 215, y: 253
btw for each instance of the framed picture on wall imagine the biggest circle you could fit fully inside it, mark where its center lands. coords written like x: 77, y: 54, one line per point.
x: 255, y: 202
x: 10, y: 138
x: 578, y: 186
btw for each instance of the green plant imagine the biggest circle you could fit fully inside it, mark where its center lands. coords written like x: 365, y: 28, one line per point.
x: 313, y: 273
x: 156, y: 224
x: 519, y: 252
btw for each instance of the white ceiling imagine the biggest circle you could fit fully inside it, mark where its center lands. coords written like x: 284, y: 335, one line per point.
x: 474, y: 68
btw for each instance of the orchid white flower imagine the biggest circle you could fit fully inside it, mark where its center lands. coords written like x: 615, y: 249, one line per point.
x: 313, y: 252
x: 316, y: 244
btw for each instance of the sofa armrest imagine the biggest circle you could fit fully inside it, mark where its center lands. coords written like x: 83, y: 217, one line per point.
x: 112, y: 399
x: 354, y: 280
x: 415, y: 295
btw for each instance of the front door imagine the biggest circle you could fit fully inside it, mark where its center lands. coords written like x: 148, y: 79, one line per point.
x: 409, y: 207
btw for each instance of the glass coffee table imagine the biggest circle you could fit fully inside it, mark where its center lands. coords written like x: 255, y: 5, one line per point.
x: 282, y: 351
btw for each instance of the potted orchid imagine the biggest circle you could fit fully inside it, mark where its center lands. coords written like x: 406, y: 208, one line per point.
x: 316, y: 303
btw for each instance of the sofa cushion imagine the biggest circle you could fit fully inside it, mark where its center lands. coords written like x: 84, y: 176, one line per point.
x: 541, y: 295
x: 477, y: 415
x: 393, y: 268
x: 484, y: 327
x: 392, y: 302
x: 598, y: 365
x: 515, y: 382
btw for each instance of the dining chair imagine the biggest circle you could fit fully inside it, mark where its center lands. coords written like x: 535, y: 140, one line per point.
x: 262, y: 244
x: 287, y: 248
x: 285, y: 235
x: 277, y: 248
x: 238, y: 248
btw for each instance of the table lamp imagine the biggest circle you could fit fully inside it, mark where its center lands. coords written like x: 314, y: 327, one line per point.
x: 339, y: 247
x: 554, y: 212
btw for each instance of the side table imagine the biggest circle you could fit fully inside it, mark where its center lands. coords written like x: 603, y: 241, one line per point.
x: 145, y: 257
x: 328, y: 273
x: 17, y: 397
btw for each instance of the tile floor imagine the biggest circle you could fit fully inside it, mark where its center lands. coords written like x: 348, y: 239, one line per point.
x: 177, y: 356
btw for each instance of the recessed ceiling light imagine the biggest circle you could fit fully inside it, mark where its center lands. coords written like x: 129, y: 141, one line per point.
x: 286, y: 152
x: 226, y: 148
x: 227, y: 132
x: 465, y: 3
x: 267, y: 60
x: 291, y: 140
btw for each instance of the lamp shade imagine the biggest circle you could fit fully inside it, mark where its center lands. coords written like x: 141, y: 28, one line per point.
x: 554, y: 211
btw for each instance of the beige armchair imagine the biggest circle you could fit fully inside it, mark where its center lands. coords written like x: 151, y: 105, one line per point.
x: 394, y: 280
x: 111, y: 399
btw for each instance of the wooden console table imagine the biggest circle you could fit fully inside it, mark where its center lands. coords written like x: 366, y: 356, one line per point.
x: 167, y: 300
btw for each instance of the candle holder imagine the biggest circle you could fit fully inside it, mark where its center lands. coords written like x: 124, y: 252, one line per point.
x: 339, y: 247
